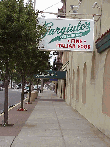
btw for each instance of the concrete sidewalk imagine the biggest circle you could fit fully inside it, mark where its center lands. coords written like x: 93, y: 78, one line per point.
x: 53, y: 123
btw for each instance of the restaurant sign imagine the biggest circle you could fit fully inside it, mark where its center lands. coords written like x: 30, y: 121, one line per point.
x: 67, y: 34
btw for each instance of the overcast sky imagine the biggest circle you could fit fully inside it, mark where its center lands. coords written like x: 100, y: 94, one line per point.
x: 47, y: 6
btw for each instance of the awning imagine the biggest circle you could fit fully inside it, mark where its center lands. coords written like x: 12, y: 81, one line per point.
x: 51, y: 75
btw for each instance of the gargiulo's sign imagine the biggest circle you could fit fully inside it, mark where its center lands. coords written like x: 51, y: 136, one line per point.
x: 67, y: 34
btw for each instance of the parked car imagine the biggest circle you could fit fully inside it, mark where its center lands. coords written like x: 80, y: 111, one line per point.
x: 35, y: 87
x: 1, y: 89
x: 17, y: 87
x: 26, y: 89
x: 20, y: 85
x: 13, y: 87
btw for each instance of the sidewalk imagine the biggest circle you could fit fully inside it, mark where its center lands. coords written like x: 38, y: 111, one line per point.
x: 53, y: 123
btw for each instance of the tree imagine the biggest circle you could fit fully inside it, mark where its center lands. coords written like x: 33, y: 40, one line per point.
x: 30, y: 57
x: 7, y: 38
x: 19, y: 35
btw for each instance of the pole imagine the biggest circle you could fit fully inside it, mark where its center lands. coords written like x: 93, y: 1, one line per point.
x: 34, y: 4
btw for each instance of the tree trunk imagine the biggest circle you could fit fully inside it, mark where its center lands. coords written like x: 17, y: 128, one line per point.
x: 22, y: 94
x: 11, y: 81
x: 37, y: 85
x: 6, y: 97
x: 29, y: 92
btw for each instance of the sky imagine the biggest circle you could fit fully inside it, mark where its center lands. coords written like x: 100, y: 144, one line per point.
x: 48, y: 6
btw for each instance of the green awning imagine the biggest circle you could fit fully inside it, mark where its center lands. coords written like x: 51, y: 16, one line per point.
x: 51, y: 75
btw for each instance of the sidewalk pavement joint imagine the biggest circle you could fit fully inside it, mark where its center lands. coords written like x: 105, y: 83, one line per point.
x: 59, y: 125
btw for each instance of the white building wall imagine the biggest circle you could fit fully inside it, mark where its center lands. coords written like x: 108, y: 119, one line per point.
x: 92, y: 109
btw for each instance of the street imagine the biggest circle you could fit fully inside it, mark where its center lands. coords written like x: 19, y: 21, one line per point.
x: 14, y: 97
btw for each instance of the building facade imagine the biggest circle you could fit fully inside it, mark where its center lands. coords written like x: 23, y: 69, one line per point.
x: 87, y: 84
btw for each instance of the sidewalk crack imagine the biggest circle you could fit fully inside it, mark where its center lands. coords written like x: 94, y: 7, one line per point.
x: 13, y: 141
x: 59, y: 125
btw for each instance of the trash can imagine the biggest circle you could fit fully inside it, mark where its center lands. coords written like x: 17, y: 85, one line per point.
x: 36, y: 94
x: 32, y: 96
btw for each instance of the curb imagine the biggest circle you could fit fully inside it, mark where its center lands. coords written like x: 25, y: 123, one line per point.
x: 13, y: 106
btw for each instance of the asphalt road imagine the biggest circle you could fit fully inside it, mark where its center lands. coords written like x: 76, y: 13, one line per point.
x: 14, y: 97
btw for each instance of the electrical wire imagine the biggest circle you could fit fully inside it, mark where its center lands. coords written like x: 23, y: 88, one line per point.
x: 51, y: 6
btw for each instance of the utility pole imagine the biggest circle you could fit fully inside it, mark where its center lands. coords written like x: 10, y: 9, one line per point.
x: 34, y: 4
